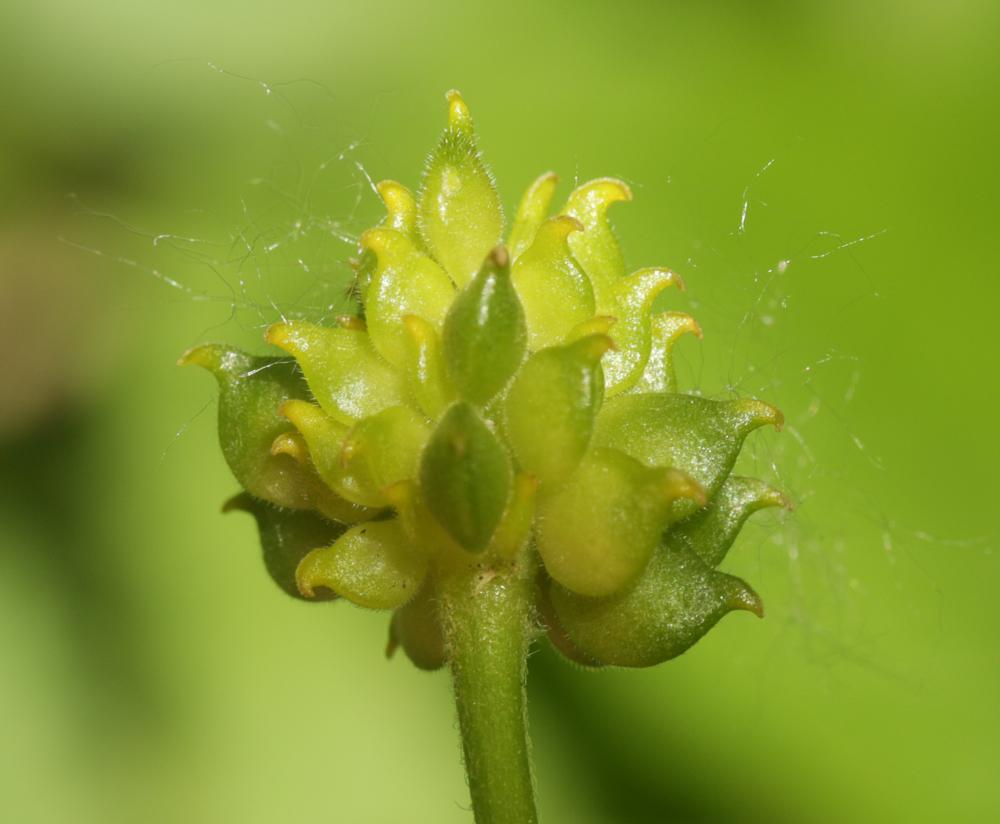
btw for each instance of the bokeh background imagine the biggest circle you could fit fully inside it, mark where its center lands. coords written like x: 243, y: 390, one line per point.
x: 825, y: 177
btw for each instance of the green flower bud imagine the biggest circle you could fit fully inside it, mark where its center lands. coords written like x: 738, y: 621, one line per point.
x: 491, y: 418
x: 466, y: 476
x: 484, y: 334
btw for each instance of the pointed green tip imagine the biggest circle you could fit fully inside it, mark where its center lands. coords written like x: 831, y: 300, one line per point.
x: 207, y: 355
x: 744, y: 598
x: 753, y: 414
x: 393, y: 643
x: 675, y: 484
x: 280, y: 335
x: 240, y: 502
x: 560, y: 227
x: 221, y: 360
x: 592, y: 347
x: 597, y: 325
x: 458, y: 112
x: 599, y: 194
x: 309, y: 574
x: 776, y: 498
x: 498, y: 258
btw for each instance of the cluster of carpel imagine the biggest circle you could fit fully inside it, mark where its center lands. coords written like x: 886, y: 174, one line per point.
x: 492, y: 409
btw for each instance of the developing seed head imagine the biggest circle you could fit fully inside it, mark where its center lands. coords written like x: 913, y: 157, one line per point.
x: 491, y: 406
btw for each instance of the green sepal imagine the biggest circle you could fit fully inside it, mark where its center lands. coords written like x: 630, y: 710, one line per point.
x: 677, y: 599
x: 405, y: 282
x: 552, y: 405
x: 597, y: 531
x: 416, y: 627
x: 286, y: 536
x: 373, y: 565
x: 485, y: 337
x: 659, y: 374
x: 698, y: 436
x: 554, y: 290
x: 531, y: 212
x: 459, y: 213
x: 344, y: 372
x: 711, y: 532
x: 251, y: 389
x: 596, y: 247
x: 427, y: 378
x: 465, y: 477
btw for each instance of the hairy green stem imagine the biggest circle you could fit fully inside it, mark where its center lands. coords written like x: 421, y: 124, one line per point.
x: 488, y: 626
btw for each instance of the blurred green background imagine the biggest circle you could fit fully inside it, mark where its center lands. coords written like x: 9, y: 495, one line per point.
x: 824, y: 176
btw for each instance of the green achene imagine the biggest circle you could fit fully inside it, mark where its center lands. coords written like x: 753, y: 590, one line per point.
x: 495, y: 445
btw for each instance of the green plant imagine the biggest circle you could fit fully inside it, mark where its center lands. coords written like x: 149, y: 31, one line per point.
x: 494, y: 445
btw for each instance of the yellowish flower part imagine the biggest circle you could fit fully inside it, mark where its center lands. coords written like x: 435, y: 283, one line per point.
x: 495, y: 410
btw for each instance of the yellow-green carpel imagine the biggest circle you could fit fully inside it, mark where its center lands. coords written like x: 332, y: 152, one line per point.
x: 495, y: 446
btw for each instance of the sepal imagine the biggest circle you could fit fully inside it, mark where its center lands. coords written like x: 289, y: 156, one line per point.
x: 286, y: 536
x: 696, y: 435
x: 251, y: 389
x: 416, y: 627
x: 677, y: 599
x: 711, y: 532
